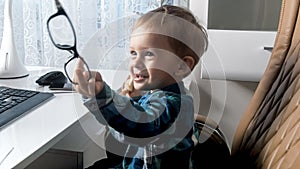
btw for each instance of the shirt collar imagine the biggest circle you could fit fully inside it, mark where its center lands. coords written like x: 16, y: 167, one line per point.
x: 175, y: 88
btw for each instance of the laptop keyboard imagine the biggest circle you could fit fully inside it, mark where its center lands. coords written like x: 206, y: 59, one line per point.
x: 16, y: 102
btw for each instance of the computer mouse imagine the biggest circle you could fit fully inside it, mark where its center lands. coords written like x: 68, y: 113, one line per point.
x: 51, y: 77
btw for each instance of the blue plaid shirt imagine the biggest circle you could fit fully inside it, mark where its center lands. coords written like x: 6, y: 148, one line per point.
x: 158, y: 127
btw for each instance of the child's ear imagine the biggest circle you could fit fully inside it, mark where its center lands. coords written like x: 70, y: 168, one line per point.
x: 185, y: 67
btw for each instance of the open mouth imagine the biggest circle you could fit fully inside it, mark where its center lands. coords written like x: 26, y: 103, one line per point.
x: 140, y: 76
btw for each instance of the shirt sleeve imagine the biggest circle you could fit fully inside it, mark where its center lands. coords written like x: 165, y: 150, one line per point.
x: 146, y: 119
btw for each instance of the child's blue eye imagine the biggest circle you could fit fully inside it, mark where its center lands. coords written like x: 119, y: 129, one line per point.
x: 149, y: 54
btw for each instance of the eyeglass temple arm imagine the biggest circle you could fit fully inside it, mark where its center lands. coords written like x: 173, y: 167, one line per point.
x: 58, y: 4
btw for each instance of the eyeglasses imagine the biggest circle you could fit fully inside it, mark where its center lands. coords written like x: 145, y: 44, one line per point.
x: 63, y: 36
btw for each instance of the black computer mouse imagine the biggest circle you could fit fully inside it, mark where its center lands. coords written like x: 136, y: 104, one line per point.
x: 51, y: 77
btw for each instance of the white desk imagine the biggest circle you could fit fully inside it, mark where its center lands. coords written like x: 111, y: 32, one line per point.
x: 31, y: 135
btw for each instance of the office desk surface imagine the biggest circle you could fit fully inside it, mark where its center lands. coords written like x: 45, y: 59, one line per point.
x: 29, y: 136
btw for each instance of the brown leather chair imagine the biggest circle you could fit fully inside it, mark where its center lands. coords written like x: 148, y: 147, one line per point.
x: 268, y: 135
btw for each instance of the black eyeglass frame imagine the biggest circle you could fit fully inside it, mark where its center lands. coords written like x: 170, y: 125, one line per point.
x: 71, y: 49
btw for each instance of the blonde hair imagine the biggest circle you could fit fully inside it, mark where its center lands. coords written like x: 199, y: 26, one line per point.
x: 185, y: 35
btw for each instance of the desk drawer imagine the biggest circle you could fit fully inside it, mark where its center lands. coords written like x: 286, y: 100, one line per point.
x: 54, y: 158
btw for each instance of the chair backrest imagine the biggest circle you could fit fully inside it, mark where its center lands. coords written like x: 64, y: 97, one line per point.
x: 268, y: 135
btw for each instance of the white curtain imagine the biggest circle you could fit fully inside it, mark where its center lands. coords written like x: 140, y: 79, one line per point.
x: 88, y: 17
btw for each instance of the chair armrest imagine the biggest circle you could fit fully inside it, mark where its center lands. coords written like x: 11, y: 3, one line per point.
x: 212, y: 150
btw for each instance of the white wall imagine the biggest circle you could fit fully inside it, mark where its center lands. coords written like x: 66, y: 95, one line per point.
x: 225, y: 107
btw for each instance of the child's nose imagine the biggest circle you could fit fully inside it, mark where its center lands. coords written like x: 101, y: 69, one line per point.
x: 138, y: 62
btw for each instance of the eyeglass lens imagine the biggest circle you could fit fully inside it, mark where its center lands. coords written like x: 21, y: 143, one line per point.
x: 61, y: 31
x: 70, y: 65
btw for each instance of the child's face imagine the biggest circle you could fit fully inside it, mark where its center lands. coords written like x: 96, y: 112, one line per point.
x: 152, y: 64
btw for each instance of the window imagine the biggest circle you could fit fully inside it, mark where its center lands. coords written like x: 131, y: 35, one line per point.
x: 244, y: 14
x: 31, y: 36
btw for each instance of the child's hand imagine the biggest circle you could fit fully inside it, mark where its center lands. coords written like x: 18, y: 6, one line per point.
x: 87, y: 87
x: 128, y: 88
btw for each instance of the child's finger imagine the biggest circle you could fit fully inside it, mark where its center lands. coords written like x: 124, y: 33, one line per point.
x: 91, y: 87
x: 79, y: 64
x: 95, y: 83
x: 129, y: 84
x: 96, y: 75
x: 81, y: 80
